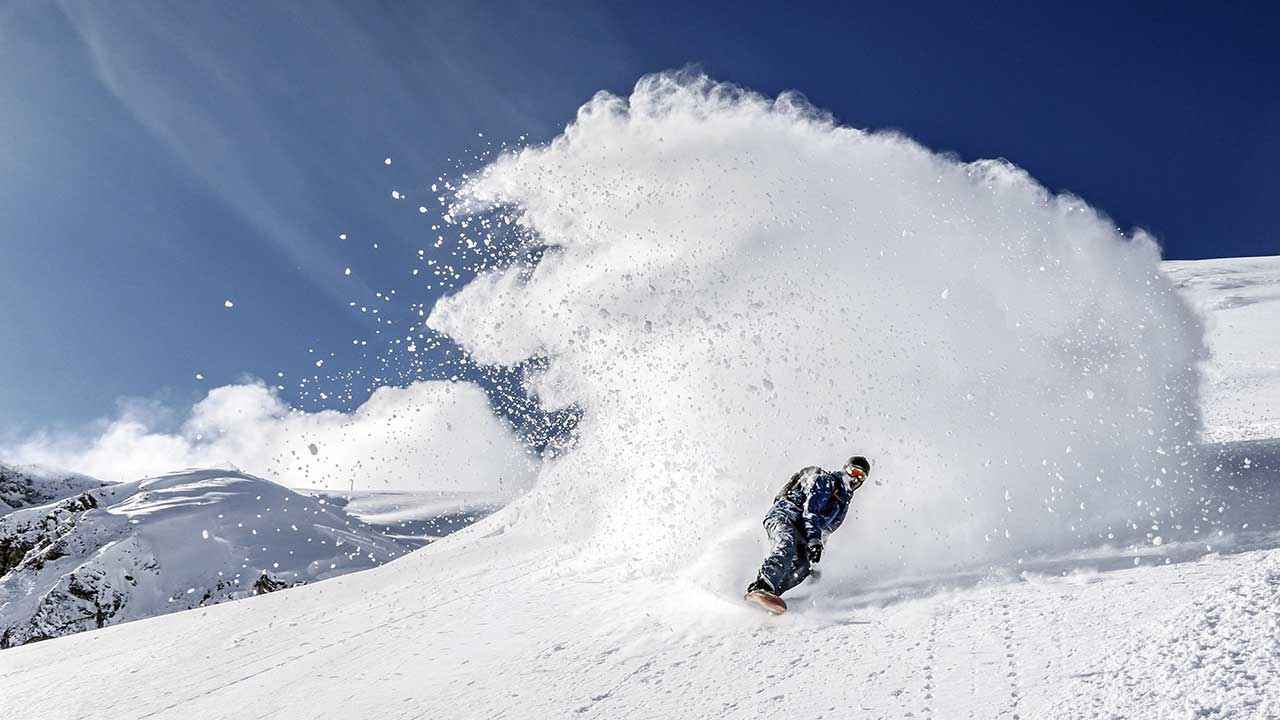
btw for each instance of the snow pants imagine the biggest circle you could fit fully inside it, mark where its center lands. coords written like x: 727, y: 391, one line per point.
x: 788, y: 562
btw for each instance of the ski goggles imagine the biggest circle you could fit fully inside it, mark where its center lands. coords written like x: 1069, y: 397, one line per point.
x: 856, y: 472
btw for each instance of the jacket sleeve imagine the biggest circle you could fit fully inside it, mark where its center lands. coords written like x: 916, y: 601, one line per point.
x: 824, y: 486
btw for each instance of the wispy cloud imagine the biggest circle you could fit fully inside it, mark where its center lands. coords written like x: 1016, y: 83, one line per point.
x: 194, y: 98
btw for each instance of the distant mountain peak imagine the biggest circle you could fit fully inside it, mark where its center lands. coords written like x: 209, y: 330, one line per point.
x: 30, y: 485
x: 121, y: 552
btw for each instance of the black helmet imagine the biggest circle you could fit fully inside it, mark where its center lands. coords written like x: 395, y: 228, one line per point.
x: 857, y: 461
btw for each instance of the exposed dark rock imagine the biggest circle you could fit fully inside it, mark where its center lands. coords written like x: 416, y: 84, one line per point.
x: 37, y: 541
x: 266, y: 584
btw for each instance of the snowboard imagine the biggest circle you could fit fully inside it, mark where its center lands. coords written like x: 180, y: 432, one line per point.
x: 767, y: 600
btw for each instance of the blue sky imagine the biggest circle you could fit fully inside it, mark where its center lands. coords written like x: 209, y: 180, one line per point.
x: 157, y: 159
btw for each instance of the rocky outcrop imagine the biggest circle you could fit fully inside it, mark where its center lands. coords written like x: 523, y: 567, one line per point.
x: 81, y: 600
x: 37, y: 538
x: 266, y: 584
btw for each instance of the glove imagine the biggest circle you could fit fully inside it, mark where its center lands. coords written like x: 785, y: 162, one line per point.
x: 815, y: 552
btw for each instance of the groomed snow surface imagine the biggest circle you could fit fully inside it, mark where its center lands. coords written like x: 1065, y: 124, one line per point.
x: 736, y: 287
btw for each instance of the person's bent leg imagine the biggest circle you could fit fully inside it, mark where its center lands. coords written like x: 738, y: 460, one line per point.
x: 801, y: 570
x: 779, y: 569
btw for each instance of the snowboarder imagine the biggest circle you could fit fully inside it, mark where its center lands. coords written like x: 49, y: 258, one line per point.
x: 809, y: 507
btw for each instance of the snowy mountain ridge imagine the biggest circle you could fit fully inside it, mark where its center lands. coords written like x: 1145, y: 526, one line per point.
x: 114, y: 553
x: 29, y: 485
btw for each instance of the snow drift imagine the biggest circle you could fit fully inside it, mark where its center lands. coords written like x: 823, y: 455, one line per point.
x: 736, y: 286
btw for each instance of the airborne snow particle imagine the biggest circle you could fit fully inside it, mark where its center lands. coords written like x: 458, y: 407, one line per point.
x: 199, y: 376
x: 204, y: 534
x: 228, y: 303
x: 422, y: 208
x: 347, y: 271
x: 319, y: 363
x: 343, y: 236
x: 395, y: 194
x: 387, y: 161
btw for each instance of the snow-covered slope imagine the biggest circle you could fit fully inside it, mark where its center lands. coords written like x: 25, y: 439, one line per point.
x: 1240, y: 298
x: 116, y: 553
x: 484, y: 627
x: 27, y: 485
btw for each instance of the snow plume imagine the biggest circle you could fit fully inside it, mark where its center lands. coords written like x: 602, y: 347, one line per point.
x: 736, y: 287
x: 427, y: 436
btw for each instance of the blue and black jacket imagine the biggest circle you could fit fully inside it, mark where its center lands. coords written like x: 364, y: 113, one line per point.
x: 816, y: 500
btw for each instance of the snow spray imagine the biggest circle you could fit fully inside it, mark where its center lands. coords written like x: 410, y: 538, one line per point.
x: 735, y: 287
